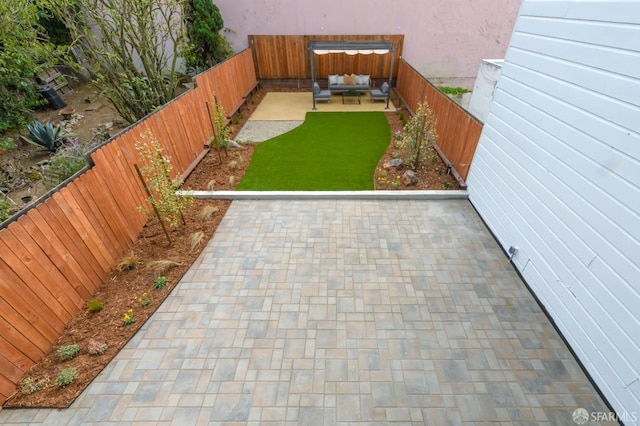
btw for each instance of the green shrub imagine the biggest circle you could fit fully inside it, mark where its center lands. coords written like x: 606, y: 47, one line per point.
x: 453, y: 90
x: 70, y: 158
x: 94, y: 305
x: 67, y: 352
x: 23, y: 54
x: 66, y: 377
x: 160, y: 283
x: 7, y: 144
x: 4, y: 210
x: 205, y: 45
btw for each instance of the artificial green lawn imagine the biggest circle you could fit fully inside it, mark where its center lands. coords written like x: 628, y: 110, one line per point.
x: 330, y: 151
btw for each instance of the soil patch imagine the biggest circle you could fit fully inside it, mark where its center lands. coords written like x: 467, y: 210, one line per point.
x: 92, y: 116
x: 125, y: 289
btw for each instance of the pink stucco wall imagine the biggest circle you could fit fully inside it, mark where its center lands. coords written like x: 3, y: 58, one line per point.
x: 444, y: 39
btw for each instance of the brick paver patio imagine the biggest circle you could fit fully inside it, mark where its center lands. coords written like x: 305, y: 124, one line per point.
x: 337, y: 312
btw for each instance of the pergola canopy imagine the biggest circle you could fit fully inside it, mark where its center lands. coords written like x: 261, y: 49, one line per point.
x: 349, y: 47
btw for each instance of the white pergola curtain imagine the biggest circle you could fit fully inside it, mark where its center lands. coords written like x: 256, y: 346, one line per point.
x: 352, y: 52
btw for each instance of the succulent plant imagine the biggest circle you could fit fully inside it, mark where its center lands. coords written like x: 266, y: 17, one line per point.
x: 45, y: 135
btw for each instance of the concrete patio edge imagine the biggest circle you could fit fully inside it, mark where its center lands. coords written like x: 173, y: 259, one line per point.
x: 329, y: 195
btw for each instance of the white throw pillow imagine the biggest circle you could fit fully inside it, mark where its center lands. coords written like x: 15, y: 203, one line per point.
x: 341, y: 79
x: 333, y: 79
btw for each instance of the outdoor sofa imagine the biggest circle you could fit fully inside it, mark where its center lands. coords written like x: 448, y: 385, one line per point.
x: 346, y: 82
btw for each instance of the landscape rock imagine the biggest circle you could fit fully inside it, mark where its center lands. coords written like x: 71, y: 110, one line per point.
x: 396, y: 163
x: 234, y: 145
x: 409, y: 178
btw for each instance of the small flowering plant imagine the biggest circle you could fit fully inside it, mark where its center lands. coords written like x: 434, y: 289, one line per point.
x: 382, y: 176
x: 128, y: 318
x: 143, y: 300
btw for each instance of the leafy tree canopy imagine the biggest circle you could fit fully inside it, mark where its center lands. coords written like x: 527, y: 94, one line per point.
x: 23, y: 53
x: 206, y: 46
x: 131, y: 49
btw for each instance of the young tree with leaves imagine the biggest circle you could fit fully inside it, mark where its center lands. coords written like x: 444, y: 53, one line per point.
x: 419, y: 134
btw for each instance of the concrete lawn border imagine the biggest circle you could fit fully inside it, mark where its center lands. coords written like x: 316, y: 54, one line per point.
x: 329, y: 195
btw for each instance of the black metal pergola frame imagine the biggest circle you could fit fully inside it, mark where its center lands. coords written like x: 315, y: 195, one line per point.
x: 348, y: 46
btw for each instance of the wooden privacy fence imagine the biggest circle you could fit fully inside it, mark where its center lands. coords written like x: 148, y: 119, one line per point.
x: 283, y: 57
x: 56, y: 254
x: 458, y: 130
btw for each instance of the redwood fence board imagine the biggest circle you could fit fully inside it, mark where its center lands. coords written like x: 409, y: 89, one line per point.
x: 48, y: 317
x: 458, y: 131
x: 286, y: 57
x: 74, y: 246
x: 108, y: 206
x: 54, y: 249
x: 83, y: 229
x: 11, y: 333
x: 59, y: 251
x: 7, y: 387
x: 56, y: 284
x: 89, y: 218
x: 9, y: 369
x: 24, y: 318
x: 16, y: 358
x: 95, y: 214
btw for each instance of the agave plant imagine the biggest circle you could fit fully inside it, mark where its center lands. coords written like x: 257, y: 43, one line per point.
x: 45, y: 135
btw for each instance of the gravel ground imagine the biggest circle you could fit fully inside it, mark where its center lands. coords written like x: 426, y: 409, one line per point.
x: 259, y: 131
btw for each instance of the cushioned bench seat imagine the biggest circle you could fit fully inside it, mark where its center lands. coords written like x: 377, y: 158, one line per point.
x: 346, y: 82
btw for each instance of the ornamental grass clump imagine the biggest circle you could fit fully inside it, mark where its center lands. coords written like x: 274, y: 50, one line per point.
x: 161, y: 267
x: 128, y: 262
x: 94, y: 305
x: 195, y: 239
x: 207, y: 212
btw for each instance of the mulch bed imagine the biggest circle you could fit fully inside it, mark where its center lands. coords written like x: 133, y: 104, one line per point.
x: 123, y: 289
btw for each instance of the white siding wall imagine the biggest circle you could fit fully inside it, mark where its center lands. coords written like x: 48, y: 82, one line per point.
x: 557, y: 174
